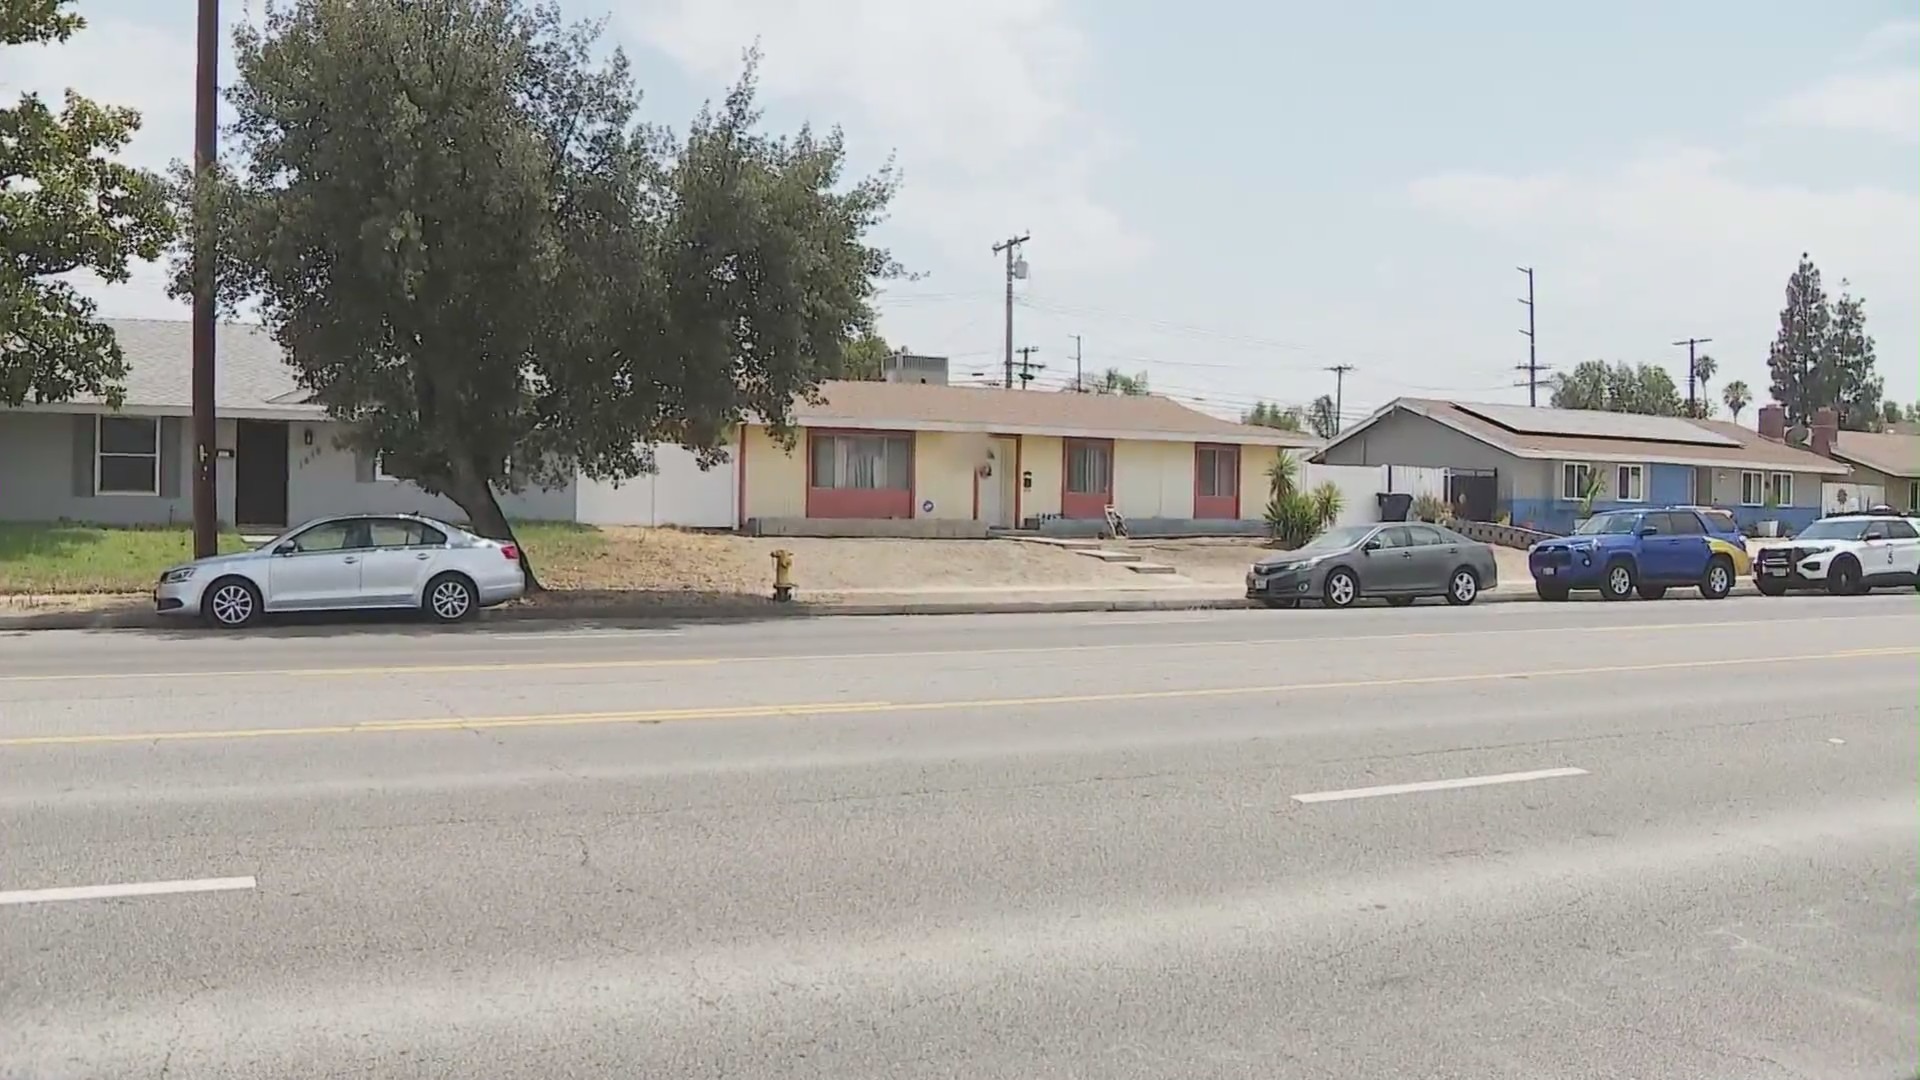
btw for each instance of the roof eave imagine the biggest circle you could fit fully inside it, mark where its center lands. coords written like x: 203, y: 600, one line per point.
x: 1277, y: 438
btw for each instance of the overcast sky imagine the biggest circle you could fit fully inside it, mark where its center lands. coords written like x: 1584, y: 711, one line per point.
x: 1233, y: 195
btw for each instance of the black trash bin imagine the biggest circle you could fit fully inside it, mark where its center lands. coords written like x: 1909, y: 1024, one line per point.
x: 1394, y: 505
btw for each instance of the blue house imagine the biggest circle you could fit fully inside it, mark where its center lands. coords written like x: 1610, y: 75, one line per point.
x: 1538, y: 465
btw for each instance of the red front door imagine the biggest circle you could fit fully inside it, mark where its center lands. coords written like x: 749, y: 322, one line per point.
x: 1216, y: 482
x: 1086, y: 488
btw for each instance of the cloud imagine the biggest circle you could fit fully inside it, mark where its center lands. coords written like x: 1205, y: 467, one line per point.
x: 1881, y: 97
x: 1676, y: 243
x: 977, y: 97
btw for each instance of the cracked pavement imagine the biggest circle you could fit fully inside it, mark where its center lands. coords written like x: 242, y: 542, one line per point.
x: 1032, y: 846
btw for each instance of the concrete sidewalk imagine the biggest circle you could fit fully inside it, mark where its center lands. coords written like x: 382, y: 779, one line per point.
x: 558, y: 606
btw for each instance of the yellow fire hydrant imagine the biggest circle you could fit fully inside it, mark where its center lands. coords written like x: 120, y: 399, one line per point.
x: 783, y: 575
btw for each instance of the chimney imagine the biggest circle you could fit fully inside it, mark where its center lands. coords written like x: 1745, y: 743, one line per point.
x: 1826, y: 426
x: 1773, y: 423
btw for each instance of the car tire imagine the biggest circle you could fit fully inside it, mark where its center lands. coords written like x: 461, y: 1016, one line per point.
x: 1770, y: 588
x: 1551, y: 593
x: 1619, y: 582
x: 1843, y: 577
x: 1650, y: 592
x: 1463, y: 586
x: 231, y: 603
x: 1717, y: 582
x: 450, y: 598
x: 1280, y: 605
x: 1400, y: 601
x: 1341, y: 589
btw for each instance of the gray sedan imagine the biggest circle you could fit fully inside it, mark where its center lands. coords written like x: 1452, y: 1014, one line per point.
x: 1397, y: 562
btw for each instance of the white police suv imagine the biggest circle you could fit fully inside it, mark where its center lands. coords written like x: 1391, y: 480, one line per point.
x: 1846, y: 554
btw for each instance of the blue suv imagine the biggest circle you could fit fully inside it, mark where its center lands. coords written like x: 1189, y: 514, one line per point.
x: 1623, y: 552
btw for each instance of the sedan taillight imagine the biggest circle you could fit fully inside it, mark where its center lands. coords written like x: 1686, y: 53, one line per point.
x: 511, y: 551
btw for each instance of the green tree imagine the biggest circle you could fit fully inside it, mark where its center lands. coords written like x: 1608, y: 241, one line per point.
x: 1849, y: 360
x: 1632, y: 388
x: 1796, y: 361
x: 864, y: 359
x: 1704, y: 369
x: 1323, y: 418
x: 1736, y: 396
x: 65, y: 205
x: 1267, y: 414
x: 1115, y: 381
x: 473, y: 254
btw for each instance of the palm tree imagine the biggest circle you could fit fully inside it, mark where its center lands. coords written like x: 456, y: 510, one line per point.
x: 1737, y: 397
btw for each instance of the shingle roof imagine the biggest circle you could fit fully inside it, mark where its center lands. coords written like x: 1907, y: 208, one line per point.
x: 250, y: 371
x: 932, y: 407
x: 1753, y: 451
x: 1889, y: 452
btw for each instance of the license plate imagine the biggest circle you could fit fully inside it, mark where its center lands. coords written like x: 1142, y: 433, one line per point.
x: 1776, y: 571
x: 1546, y: 571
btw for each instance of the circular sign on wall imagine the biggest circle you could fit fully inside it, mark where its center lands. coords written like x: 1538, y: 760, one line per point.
x: 926, y: 507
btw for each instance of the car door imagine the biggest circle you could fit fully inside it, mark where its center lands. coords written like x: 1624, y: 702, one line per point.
x: 1904, y: 539
x: 1878, y: 554
x: 318, y: 567
x: 398, y: 560
x: 1687, y: 549
x: 1388, y: 565
x: 1434, y: 558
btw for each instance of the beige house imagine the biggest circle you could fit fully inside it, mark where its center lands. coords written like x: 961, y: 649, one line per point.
x: 1888, y: 461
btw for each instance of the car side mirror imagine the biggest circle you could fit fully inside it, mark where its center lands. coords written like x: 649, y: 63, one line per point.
x: 1371, y: 546
x: 1649, y: 530
x: 287, y: 548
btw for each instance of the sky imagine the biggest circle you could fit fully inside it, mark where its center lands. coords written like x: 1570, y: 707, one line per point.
x: 1235, y: 197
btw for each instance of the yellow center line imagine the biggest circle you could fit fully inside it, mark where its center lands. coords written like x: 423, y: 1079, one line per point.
x: 405, y: 670
x: 850, y: 708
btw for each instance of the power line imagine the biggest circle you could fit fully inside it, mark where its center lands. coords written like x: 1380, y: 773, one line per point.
x: 1692, y: 343
x: 1339, y: 391
x: 1532, y: 366
x: 1027, y: 366
x: 1016, y: 267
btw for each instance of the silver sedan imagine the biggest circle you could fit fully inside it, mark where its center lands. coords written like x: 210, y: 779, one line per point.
x: 359, y: 562
x: 1397, y: 562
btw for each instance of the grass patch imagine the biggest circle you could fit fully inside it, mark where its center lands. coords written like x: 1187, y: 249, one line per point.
x: 72, y: 558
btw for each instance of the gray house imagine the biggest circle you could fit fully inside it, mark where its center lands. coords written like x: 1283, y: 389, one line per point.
x: 279, y: 459
x: 1536, y: 464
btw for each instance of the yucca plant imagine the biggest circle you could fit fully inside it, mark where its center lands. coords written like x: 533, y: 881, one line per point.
x: 1282, y: 476
x: 1431, y: 507
x: 1327, y: 503
x: 1293, y: 519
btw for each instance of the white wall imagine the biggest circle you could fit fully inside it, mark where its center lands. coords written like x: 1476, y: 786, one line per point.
x: 678, y: 493
x: 1360, y: 486
x: 1858, y: 497
x: 324, y: 479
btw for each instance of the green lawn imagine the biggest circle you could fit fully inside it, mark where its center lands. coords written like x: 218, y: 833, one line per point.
x: 65, y: 557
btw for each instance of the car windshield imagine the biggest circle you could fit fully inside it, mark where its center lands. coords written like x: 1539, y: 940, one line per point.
x: 1833, y: 530
x: 1607, y: 524
x: 1337, y: 539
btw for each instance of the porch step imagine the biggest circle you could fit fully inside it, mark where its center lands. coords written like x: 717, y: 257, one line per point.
x: 1105, y: 555
x: 1067, y: 542
x: 1150, y: 568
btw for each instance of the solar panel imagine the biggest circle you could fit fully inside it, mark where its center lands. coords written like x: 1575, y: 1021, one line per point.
x: 1589, y: 424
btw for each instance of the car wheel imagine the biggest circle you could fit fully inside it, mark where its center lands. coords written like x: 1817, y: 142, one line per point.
x: 1280, y: 604
x: 1463, y: 587
x: 1554, y: 593
x: 1717, y: 582
x: 1400, y: 601
x: 450, y: 598
x: 1843, y: 578
x: 1651, y: 592
x: 1341, y: 589
x: 1620, y: 581
x: 1770, y: 588
x: 231, y: 603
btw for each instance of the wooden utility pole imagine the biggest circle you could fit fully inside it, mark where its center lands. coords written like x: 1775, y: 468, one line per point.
x: 1010, y: 247
x: 206, y: 510
x: 1692, y: 344
x: 1532, y: 366
x: 1027, y: 366
x: 1339, y: 394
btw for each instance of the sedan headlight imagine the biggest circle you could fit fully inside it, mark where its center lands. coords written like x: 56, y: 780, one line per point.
x: 176, y: 575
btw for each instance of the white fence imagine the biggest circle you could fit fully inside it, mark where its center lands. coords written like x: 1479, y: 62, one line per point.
x: 1850, y: 498
x: 1361, y: 484
x: 677, y: 493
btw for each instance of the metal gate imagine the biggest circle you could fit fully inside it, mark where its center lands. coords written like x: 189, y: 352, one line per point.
x: 1473, y: 493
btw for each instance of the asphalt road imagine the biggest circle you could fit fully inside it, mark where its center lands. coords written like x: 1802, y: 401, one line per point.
x: 1646, y: 840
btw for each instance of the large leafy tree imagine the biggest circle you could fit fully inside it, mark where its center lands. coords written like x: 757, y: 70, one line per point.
x: 1323, y: 418
x: 1622, y: 387
x: 475, y: 255
x: 1268, y: 414
x: 65, y: 205
x: 1849, y: 362
x: 1115, y: 381
x: 864, y: 359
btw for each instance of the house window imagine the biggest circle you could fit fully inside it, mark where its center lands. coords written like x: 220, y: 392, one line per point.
x: 126, y: 455
x: 862, y: 462
x: 1913, y: 495
x: 1573, y: 481
x: 1089, y: 468
x: 1752, y: 489
x: 1218, y: 472
x: 1629, y: 483
x: 1782, y: 489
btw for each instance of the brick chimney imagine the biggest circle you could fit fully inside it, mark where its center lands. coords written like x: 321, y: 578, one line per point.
x: 1825, y: 428
x: 1773, y: 423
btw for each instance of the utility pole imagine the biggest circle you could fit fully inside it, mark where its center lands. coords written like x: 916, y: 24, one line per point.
x: 1016, y: 267
x: 1339, y: 393
x: 1692, y: 344
x: 1027, y: 366
x: 206, y: 511
x: 1532, y: 366
x: 1079, y: 378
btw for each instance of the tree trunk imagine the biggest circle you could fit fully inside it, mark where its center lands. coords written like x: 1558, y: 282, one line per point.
x: 476, y: 497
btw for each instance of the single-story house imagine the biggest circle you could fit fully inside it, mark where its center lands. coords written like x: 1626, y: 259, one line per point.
x: 1534, y: 464
x: 1887, y: 461
x: 984, y: 457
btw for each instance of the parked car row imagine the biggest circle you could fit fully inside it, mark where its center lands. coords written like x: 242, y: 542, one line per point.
x: 356, y: 562
x: 1619, y: 554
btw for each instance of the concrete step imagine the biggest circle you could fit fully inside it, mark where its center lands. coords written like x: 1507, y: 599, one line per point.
x: 1067, y: 542
x: 1104, y: 555
x: 1150, y: 568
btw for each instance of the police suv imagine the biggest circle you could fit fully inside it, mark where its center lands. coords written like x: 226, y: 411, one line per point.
x: 1846, y: 554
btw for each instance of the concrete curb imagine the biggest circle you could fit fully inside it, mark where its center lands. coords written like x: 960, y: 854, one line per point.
x: 148, y: 620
